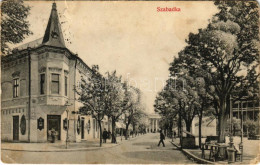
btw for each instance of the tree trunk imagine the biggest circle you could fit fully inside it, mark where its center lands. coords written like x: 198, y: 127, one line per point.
x: 126, y: 131
x: 200, y: 123
x: 180, y: 129
x: 100, y: 130
x: 134, y: 131
x: 188, y: 126
x: 170, y: 129
x: 222, y: 120
x: 113, y: 139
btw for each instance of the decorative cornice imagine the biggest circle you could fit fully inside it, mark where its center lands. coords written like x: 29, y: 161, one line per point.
x: 13, y: 61
x: 16, y: 74
x: 55, y: 69
x: 42, y: 69
x: 47, y: 48
x: 66, y: 72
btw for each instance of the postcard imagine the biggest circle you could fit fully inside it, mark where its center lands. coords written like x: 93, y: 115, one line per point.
x: 130, y: 82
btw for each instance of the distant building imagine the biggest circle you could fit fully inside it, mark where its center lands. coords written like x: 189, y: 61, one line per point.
x: 153, y: 121
x: 37, y: 80
x: 250, y: 109
x: 208, y: 126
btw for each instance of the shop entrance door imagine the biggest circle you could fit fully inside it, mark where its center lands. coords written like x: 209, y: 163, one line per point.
x: 53, y: 122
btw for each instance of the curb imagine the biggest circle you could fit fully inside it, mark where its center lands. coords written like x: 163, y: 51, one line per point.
x: 193, y: 157
x: 63, y: 150
x: 67, y: 150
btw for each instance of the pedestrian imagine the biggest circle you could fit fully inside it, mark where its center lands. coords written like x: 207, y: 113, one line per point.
x: 105, y: 135
x: 174, y: 133
x: 109, y: 134
x: 162, y: 137
x: 53, y: 134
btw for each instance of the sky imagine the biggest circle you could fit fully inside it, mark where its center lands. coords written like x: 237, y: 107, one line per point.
x: 129, y: 37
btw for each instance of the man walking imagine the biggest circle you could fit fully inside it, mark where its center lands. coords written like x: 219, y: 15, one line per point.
x: 174, y: 134
x: 162, y: 137
x: 105, y: 135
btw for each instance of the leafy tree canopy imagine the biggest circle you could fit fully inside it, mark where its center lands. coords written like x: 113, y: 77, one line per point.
x: 14, y: 26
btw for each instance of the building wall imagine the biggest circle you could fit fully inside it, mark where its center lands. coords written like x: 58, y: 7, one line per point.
x: 17, y: 68
x: 43, y: 61
x: 250, y: 110
x: 208, y: 127
x: 44, y: 104
x: 7, y: 124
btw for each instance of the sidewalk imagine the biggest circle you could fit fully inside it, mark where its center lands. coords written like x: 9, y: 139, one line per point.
x: 60, y: 146
x: 251, y: 151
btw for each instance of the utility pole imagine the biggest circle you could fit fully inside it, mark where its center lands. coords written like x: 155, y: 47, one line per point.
x: 67, y: 135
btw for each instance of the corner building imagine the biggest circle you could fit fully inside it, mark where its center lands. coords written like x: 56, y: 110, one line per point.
x: 37, y: 79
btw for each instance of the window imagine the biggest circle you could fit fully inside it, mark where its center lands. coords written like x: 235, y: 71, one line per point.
x: 55, y: 84
x: 79, y: 84
x: 235, y: 106
x: 42, y: 81
x: 15, y: 87
x: 66, y: 85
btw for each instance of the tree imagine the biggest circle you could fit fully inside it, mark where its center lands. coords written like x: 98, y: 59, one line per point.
x: 252, y: 126
x: 185, y: 90
x: 117, y: 100
x: 180, y: 96
x: 138, y: 120
x: 133, y: 110
x: 198, y: 70
x: 14, y: 26
x: 165, y: 106
x: 206, y: 107
x: 226, y: 46
x: 92, y: 95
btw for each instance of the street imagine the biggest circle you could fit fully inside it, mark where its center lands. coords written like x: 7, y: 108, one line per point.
x: 142, y: 150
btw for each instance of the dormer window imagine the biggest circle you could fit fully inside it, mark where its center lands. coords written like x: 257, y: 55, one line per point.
x: 54, y: 35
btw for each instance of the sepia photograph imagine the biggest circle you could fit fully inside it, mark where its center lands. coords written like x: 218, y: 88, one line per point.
x: 130, y: 82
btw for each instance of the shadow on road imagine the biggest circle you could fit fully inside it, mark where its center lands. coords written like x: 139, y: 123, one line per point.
x: 153, y: 146
x: 144, y: 143
x: 161, y: 155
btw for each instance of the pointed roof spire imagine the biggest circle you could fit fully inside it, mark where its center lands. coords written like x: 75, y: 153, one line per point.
x: 53, y: 33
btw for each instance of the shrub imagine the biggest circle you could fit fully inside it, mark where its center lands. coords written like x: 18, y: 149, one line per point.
x: 252, y: 127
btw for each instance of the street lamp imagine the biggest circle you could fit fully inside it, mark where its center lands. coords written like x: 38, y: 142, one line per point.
x: 231, y: 143
x: 231, y: 117
x: 242, y: 132
x: 67, y: 111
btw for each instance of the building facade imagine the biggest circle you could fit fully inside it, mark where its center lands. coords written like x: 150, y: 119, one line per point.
x: 153, y: 121
x: 208, y: 126
x: 38, y: 90
x: 246, y: 109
